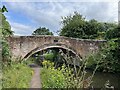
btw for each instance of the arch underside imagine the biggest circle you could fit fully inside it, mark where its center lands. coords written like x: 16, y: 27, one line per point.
x: 50, y: 46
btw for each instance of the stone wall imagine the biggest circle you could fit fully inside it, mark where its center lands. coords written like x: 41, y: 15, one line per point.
x: 21, y: 46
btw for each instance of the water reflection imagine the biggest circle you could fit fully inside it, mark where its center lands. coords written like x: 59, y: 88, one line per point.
x: 100, y: 79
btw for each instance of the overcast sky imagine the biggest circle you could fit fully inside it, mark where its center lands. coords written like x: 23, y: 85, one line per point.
x: 25, y: 17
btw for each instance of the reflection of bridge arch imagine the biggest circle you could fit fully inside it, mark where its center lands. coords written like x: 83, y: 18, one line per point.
x: 50, y: 46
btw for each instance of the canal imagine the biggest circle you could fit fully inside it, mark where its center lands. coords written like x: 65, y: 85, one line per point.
x: 100, y: 79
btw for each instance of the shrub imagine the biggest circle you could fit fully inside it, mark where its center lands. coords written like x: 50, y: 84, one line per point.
x: 65, y: 77
x: 108, y: 58
x: 6, y: 55
x: 49, y: 56
x: 51, y: 77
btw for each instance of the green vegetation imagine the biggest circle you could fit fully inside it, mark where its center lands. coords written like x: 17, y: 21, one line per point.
x: 113, y: 33
x: 42, y: 31
x: 51, y: 77
x: 6, y: 55
x: 18, y: 75
x: 5, y: 28
x: 78, y: 27
x: 109, y: 56
x: 14, y: 74
x: 65, y: 76
x: 49, y: 56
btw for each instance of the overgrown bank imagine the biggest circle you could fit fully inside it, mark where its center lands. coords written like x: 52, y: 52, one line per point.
x: 17, y: 75
x: 108, y: 57
x: 65, y: 76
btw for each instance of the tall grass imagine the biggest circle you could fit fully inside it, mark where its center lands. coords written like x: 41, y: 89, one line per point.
x: 17, y: 75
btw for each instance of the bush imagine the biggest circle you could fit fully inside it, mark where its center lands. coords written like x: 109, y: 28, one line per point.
x: 51, y: 77
x: 5, y: 53
x: 91, y: 61
x: 49, y: 56
x: 64, y: 77
x: 108, y: 58
x: 111, y: 62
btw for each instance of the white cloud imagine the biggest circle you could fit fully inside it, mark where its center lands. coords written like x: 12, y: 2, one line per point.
x: 102, y: 11
x: 21, y: 29
x: 49, y: 14
x: 52, y: 12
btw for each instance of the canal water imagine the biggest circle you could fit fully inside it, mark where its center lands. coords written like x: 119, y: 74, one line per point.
x: 100, y: 79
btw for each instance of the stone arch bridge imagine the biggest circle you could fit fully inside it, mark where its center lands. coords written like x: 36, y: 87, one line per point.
x: 25, y: 46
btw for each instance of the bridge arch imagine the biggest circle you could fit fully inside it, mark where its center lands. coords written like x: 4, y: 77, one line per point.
x: 51, y: 46
x: 24, y: 46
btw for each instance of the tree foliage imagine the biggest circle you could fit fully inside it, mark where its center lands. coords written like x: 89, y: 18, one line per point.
x: 5, y: 27
x: 113, y: 36
x: 73, y: 26
x: 42, y: 31
x: 109, y: 55
x: 6, y: 31
x: 4, y: 9
x: 78, y: 27
x: 113, y: 33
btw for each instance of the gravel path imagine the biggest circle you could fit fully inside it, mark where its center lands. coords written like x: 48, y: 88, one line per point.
x: 36, y: 82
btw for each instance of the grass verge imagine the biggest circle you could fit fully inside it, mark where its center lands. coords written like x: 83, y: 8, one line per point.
x: 18, y: 75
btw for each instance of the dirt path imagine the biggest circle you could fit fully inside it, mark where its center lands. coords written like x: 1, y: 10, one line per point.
x: 36, y: 82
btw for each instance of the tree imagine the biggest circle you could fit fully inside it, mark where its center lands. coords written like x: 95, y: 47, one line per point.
x: 103, y: 28
x: 6, y: 31
x: 113, y: 33
x: 5, y: 27
x: 4, y: 9
x: 91, y: 29
x: 73, y: 26
x: 109, y: 54
x: 76, y: 26
x: 42, y: 31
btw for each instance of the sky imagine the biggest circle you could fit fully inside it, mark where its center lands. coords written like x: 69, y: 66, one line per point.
x: 25, y: 17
